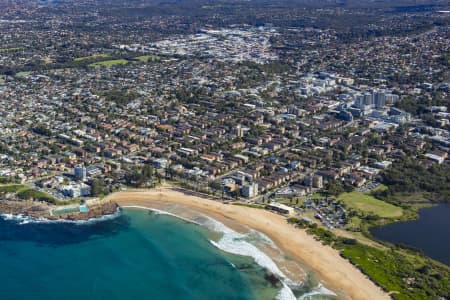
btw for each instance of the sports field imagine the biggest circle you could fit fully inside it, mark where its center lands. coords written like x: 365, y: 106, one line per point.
x: 109, y: 63
x: 369, y: 204
x: 95, y: 56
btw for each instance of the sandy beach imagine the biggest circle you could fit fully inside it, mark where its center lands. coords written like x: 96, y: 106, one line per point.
x: 334, y: 271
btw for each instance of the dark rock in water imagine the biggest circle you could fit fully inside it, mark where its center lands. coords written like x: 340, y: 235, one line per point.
x: 244, y: 266
x: 26, y: 208
x: 272, y: 279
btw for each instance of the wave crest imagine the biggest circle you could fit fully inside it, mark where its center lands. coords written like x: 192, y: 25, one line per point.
x: 236, y: 243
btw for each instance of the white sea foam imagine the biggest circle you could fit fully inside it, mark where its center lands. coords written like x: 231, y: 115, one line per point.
x: 161, y: 212
x: 264, y: 238
x: 237, y: 243
x: 23, y: 220
x: 319, y: 290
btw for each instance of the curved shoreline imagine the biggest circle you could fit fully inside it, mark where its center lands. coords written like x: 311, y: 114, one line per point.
x: 333, y: 270
x: 229, y: 235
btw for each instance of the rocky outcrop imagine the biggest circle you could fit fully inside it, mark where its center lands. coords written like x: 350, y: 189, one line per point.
x: 103, y: 209
x: 38, y: 210
x: 25, y: 208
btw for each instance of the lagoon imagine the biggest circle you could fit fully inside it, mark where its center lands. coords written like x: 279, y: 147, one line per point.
x: 430, y: 233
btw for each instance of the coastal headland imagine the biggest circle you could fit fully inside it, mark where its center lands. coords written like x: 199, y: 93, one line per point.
x: 334, y: 271
x: 43, y: 210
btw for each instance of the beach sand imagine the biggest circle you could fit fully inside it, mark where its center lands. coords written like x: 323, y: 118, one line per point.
x: 334, y: 271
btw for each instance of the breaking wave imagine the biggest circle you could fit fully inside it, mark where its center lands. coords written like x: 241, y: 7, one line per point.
x: 236, y: 243
x: 162, y: 212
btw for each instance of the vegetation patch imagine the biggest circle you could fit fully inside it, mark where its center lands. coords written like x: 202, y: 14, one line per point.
x: 109, y: 63
x: 119, y: 97
x: 248, y: 205
x: 147, y: 58
x: 6, y: 50
x: 405, y: 273
x: 92, y: 57
x: 411, y: 178
x: 405, y: 276
x: 23, y: 74
x: 13, y: 188
x: 32, y: 194
x: 8, y: 180
x: 369, y: 204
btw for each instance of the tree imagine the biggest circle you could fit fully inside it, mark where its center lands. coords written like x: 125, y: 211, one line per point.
x: 335, y: 188
x: 97, y: 187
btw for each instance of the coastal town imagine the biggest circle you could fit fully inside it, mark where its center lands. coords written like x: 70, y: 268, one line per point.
x: 309, y: 121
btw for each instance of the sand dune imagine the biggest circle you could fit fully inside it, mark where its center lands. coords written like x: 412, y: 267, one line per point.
x: 334, y: 271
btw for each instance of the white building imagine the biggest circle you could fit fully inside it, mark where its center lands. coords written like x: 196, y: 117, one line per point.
x: 76, y: 190
x: 250, y: 190
x: 281, y: 208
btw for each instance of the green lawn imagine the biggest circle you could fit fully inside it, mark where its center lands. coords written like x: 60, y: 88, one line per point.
x: 109, y: 63
x: 27, y: 193
x: 12, y: 188
x: 369, y: 204
x: 380, y: 187
x: 390, y: 269
x: 95, y: 56
x: 147, y: 58
x: 354, y: 223
x: 5, y: 50
x: 23, y: 74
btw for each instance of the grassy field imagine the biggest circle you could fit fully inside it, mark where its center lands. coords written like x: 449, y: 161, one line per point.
x: 147, y: 58
x: 406, y: 276
x: 380, y: 187
x: 354, y: 223
x: 109, y: 63
x: 23, y: 74
x: 369, y: 204
x: 95, y: 56
x: 26, y: 193
x: 6, y: 50
x: 12, y: 188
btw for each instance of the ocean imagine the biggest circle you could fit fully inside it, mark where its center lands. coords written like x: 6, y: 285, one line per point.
x: 137, y: 255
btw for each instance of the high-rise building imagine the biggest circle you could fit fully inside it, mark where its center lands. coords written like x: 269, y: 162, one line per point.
x: 80, y: 172
x: 317, y: 181
x: 359, y: 100
x: 391, y: 98
x: 239, y: 131
x: 368, y: 99
x: 380, y: 99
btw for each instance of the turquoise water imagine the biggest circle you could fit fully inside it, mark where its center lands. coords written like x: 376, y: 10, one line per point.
x: 67, y: 210
x: 138, y: 255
